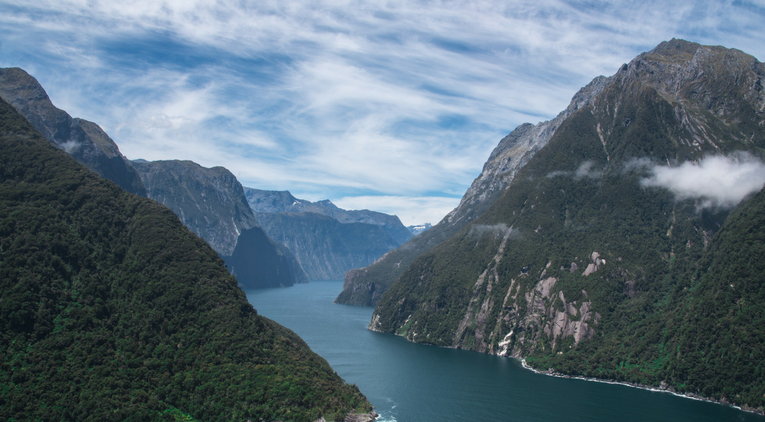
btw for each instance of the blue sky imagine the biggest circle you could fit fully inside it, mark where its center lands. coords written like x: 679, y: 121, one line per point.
x: 392, y: 106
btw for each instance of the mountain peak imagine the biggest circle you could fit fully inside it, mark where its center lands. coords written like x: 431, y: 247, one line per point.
x: 675, y: 50
x: 83, y: 140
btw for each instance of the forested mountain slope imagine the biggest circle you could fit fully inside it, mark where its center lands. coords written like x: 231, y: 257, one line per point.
x: 601, y: 256
x: 365, y: 286
x: 111, y: 309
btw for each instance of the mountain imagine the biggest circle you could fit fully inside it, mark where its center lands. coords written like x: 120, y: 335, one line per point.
x: 326, y: 248
x: 111, y: 309
x: 326, y: 240
x: 365, y: 286
x: 83, y: 140
x: 211, y: 202
x: 258, y: 261
x: 611, y: 254
x: 263, y: 201
x: 419, y: 228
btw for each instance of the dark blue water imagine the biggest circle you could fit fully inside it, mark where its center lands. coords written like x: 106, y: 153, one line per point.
x: 408, y: 382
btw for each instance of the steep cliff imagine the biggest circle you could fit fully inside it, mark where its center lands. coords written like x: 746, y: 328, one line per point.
x: 110, y: 309
x: 326, y: 240
x: 83, y: 140
x: 264, y: 201
x: 365, y: 286
x: 258, y: 261
x: 590, y: 264
x: 326, y: 248
x: 211, y: 202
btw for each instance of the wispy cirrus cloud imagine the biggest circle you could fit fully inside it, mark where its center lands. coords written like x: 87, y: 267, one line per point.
x: 337, y: 99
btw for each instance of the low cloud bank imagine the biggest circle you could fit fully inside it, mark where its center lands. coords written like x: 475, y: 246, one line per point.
x: 483, y: 229
x: 719, y: 181
x: 585, y: 170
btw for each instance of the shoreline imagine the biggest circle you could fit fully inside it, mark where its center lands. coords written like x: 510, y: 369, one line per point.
x: 691, y: 396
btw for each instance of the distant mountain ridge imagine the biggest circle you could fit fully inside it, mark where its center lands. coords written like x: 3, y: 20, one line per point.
x: 211, y: 202
x: 263, y: 201
x: 113, y: 310
x: 326, y: 240
x: 326, y: 248
x: 83, y: 140
x: 586, y: 265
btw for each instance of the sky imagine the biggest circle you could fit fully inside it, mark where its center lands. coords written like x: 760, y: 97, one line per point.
x: 392, y: 106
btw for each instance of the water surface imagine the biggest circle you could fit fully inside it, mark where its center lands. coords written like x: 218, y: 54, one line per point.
x: 407, y: 382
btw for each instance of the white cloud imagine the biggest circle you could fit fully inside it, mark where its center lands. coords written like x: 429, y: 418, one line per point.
x: 345, y: 97
x: 717, y: 180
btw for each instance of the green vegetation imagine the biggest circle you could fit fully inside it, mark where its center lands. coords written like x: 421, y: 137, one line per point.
x: 86, y: 141
x: 679, y: 299
x: 110, y: 309
x: 709, y: 337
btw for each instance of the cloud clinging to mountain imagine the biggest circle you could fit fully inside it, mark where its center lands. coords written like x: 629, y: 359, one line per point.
x: 718, y: 181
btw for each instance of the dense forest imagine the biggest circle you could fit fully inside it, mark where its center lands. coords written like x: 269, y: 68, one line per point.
x: 110, y: 309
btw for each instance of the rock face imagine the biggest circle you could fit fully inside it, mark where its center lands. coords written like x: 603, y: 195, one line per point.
x: 326, y: 248
x: 326, y: 240
x: 584, y: 267
x: 113, y: 310
x: 211, y: 202
x: 83, y: 140
x: 365, y: 286
x: 263, y: 201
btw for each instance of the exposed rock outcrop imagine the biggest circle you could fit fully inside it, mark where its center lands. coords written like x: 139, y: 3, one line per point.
x: 209, y: 201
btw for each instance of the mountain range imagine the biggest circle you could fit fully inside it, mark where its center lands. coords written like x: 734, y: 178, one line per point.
x: 622, y: 240
x: 211, y: 202
x: 629, y: 247
x: 111, y: 309
x: 326, y: 240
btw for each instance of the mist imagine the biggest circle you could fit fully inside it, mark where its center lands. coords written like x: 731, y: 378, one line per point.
x: 719, y: 181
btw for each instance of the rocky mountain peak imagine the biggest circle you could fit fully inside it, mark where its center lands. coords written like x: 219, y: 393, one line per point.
x: 82, y: 139
x: 516, y: 149
x: 714, y: 77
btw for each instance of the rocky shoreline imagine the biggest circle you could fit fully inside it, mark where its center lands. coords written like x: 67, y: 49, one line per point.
x: 663, y: 388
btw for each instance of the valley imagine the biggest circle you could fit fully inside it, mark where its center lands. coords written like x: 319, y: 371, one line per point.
x: 621, y: 241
